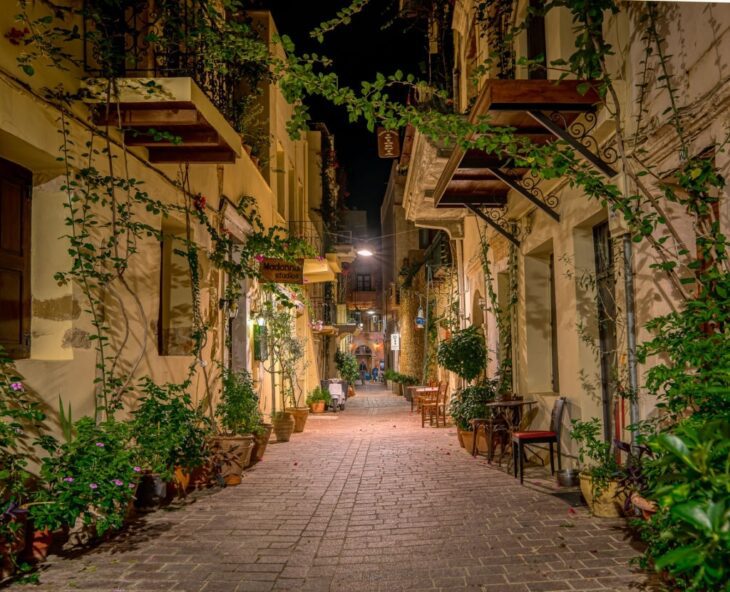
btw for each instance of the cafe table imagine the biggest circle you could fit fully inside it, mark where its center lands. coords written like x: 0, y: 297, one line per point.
x: 510, y: 412
x: 420, y: 391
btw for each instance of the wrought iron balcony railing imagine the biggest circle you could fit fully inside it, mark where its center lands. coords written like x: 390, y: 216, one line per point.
x: 156, y: 39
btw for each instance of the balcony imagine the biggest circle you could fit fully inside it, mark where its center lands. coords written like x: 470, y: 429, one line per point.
x: 167, y: 98
x: 363, y: 299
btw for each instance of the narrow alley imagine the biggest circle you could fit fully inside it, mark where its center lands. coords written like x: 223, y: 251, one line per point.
x: 362, y: 500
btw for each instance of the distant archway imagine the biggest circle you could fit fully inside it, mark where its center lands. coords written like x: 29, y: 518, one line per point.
x: 363, y: 350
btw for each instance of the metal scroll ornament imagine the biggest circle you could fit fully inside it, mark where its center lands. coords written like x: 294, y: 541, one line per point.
x: 581, y: 129
x: 531, y: 182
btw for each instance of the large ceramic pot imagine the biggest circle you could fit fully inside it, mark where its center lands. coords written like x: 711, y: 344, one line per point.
x: 260, y: 441
x: 317, y: 407
x: 233, y: 454
x: 467, y: 438
x: 647, y: 507
x: 300, y: 415
x: 283, y: 426
x: 37, y: 544
x: 606, y: 505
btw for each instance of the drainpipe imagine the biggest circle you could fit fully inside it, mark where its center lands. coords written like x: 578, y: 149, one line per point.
x: 460, y: 272
x: 425, y: 328
x: 631, y: 334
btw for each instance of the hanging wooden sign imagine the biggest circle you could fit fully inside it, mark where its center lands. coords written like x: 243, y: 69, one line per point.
x: 388, y: 143
x: 280, y: 271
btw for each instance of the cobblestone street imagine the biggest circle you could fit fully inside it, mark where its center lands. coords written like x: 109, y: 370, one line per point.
x: 362, y: 500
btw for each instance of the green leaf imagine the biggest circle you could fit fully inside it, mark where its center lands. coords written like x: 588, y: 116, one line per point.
x: 692, y: 513
x: 681, y: 558
x: 28, y: 69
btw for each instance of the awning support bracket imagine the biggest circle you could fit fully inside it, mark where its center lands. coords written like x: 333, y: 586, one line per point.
x: 524, y: 191
x: 494, y: 224
x: 561, y: 132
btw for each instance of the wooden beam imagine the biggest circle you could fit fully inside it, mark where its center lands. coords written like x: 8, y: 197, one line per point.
x: 192, y: 155
x: 189, y: 139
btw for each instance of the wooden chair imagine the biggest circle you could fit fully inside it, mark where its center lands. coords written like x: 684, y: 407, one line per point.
x: 435, y: 405
x: 552, y: 437
x: 416, y: 398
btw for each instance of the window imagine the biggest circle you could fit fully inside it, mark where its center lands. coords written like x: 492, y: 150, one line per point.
x: 536, y: 47
x: 175, y: 324
x: 15, y: 190
x: 364, y: 282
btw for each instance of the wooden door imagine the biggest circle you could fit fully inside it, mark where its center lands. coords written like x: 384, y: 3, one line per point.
x: 15, y: 189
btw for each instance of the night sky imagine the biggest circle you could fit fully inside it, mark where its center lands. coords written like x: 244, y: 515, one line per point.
x: 359, y: 50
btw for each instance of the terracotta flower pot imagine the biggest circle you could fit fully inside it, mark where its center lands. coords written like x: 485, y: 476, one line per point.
x: 260, y: 441
x: 460, y: 437
x: 300, y: 415
x: 606, y: 505
x: 234, y: 455
x: 468, y: 441
x: 317, y: 407
x: 283, y: 427
x: 647, y: 507
x: 37, y: 544
x: 202, y: 477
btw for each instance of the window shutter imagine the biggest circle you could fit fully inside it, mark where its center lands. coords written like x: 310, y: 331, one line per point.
x: 15, y: 190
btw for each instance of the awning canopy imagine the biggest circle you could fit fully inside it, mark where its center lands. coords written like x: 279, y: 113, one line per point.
x: 542, y: 110
x: 318, y: 270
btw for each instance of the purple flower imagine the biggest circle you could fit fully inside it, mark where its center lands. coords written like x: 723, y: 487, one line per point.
x: 17, y: 386
x: 137, y: 469
x: 93, y: 486
x: 118, y: 482
x: 100, y: 444
x: 68, y: 479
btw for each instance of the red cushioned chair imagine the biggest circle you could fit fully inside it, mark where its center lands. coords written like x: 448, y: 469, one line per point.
x: 551, y: 437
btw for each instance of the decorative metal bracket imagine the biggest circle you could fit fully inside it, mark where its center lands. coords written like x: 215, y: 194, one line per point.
x: 530, y: 190
x: 578, y: 136
x: 495, y: 219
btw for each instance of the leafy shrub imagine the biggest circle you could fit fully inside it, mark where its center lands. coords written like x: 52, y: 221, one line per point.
x: 93, y: 477
x: 319, y: 394
x: 689, y: 478
x: 167, y: 430
x: 399, y: 378
x: 602, y: 467
x: 464, y: 354
x: 238, y: 410
x: 470, y: 403
x: 346, y: 365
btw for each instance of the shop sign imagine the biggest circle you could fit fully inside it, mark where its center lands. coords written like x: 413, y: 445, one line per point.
x: 388, y: 143
x: 280, y: 271
x: 395, y: 342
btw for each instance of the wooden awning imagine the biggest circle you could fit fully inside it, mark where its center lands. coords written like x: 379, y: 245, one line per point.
x: 171, y: 117
x: 542, y: 110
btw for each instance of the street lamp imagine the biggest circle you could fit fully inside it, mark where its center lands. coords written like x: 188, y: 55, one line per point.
x: 365, y: 252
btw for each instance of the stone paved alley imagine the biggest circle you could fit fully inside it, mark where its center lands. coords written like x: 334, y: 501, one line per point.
x: 364, y: 500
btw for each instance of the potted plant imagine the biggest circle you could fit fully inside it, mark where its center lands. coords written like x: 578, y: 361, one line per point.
x: 171, y: 438
x: 633, y: 481
x: 468, y: 404
x: 20, y: 416
x: 317, y: 400
x: 239, y: 417
x: 465, y: 353
x: 261, y: 441
x: 89, y: 481
x: 283, y: 424
x: 346, y: 365
x: 599, y: 478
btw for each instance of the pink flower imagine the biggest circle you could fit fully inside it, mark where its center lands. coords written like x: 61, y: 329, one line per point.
x: 68, y: 479
x: 137, y: 469
x: 131, y: 486
x: 118, y: 482
x: 259, y: 258
x: 17, y: 386
x: 93, y: 486
x: 100, y: 444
